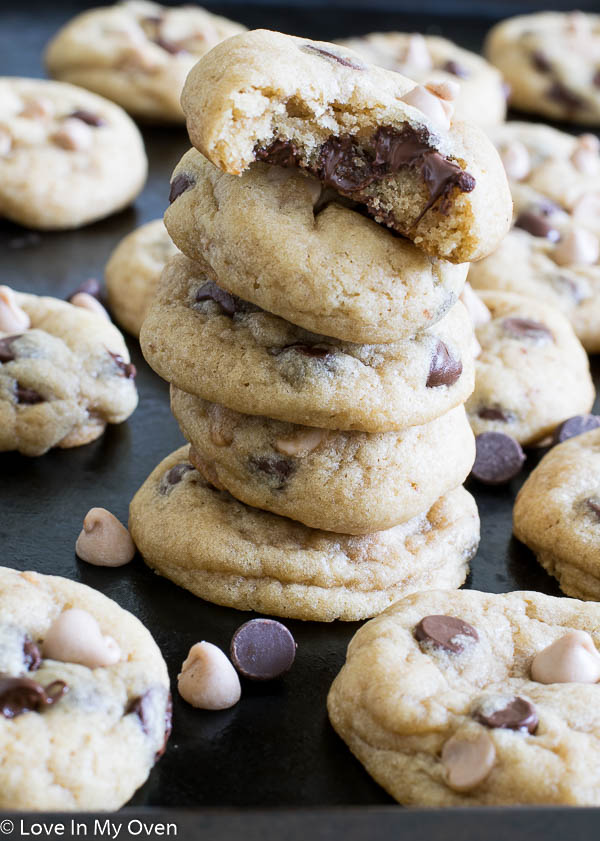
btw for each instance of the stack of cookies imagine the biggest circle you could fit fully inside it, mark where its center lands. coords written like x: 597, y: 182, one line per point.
x: 318, y: 356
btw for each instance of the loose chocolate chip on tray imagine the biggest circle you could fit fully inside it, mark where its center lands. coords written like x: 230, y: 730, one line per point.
x: 179, y: 185
x: 88, y: 117
x: 21, y: 694
x: 493, y: 413
x: 536, y: 225
x: 31, y: 655
x: 517, y: 714
x: 7, y: 354
x: 498, y: 458
x: 452, y: 66
x: 343, y: 60
x: 263, y: 649
x: 447, y: 632
x: 128, y: 369
x: 576, y: 425
x: 444, y: 368
x: 209, y: 291
x: 526, y: 328
x: 28, y: 396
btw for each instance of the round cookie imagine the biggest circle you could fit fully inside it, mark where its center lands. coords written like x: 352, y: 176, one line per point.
x: 218, y: 347
x: 557, y: 514
x: 438, y: 702
x: 67, y: 156
x: 97, y: 743
x: 431, y: 59
x: 551, y: 62
x: 350, y: 482
x: 224, y: 551
x: 371, y: 134
x: 281, y: 241
x: 532, y: 372
x: 136, y: 53
x: 133, y: 273
x: 62, y: 379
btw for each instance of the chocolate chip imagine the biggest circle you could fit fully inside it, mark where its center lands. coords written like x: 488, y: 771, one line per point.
x: 493, y: 413
x: 262, y: 649
x: 593, y: 504
x: 576, y: 425
x: 452, y: 66
x: 19, y: 695
x: 444, y: 368
x: 90, y: 287
x: 180, y: 184
x: 445, y: 632
x: 88, y: 117
x: 560, y: 93
x: 169, y: 46
x: 128, y: 369
x: 343, y: 165
x: 343, y: 60
x: 28, y: 396
x: 31, y: 655
x: 280, y: 469
x: 536, y: 225
x: 526, y: 328
x: 540, y: 62
x: 315, y: 351
x: 141, y: 705
x: 7, y: 354
x: 498, y: 458
x: 175, y: 475
x: 279, y: 153
x: 209, y: 291
x: 518, y: 714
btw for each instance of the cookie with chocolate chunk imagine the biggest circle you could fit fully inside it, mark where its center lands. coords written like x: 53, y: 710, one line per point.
x: 352, y: 482
x: 64, y: 375
x: 282, y: 241
x: 67, y: 156
x: 136, y: 53
x: 551, y: 61
x: 369, y: 134
x: 475, y: 699
x: 133, y: 273
x: 219, y: 347
x: 223, y: 551
x: 429, y: 58
x: 74, y: 736
x: 531, y: 373
x: 557, y: 514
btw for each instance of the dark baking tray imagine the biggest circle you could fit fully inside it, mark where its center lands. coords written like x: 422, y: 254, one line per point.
x: 275, y: 751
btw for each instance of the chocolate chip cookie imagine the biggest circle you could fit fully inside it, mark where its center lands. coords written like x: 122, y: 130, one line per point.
x: 64, y: 374
x: 75, y: 736
x: 369, y: 134
x: 467, y: 698
x: 531, y: 373
x: 285, y: 243
x: 551, y: 60
x: 67, y: 156
x: 133, y: 272
x: 209, y: 343
x: 557, y: 514
x: 431, y: 59
x: 351, y: 482
x: 136, y: 53
x: 226, y: 552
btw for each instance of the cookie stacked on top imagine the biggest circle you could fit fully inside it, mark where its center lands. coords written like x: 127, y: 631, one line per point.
x: 318, y: 356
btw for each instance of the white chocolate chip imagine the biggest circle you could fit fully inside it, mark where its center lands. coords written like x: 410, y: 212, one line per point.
x: 13, y: 319
x: 478, y: 311
x: 589, y: 142
x: 515, y: 158
x: 88, y: 302
x: 585, y: 161
x: 104, y: 541
x: 417, y: 53
x: 301, y: 444
x: 578, y: 246
x: 207, y: 679
x: 75, y: 637
x: 587, y: 207
x: 5, y: 142
x: 429, y: 104
x: 448, y: 90
x: 74, y: 135
x: 468, y: 759
x: 38, y: 108
x: 577, y: 24
x: 572, y: 658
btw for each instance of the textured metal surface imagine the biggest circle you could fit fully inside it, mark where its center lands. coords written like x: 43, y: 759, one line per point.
x: 275, y: 748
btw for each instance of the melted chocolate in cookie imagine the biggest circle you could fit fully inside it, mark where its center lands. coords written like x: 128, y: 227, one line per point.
x: 19, y: 695
x: 518, y: 714
x: 526, y: 328
x: 343, y: 60
x: 540, y: 62
x: 276, y: 468
x: 452, y: 66
x: 128, y: 369
x: 28, y: 396
x: 31, y: 655
x: 141, y: 705
x: 179, y: 185
x: 88, y: 117
x: 560, y: 93
x: 174, y: 476
x: 445, y: 632
x: 444, y: 368
x: 7, y: 354
x: 536, y: 225
x: 493, y: 413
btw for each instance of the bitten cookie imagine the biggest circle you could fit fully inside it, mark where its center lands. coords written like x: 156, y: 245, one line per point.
x: 551, y: 60
x: 210, y: 343
x: 350, y: 482
x: 467, y: 698
x: 136, y: 53
x: 368, y: 133
x: 531, y: 373
x: 557, y: 514
x: 431, y: 59
x: 67, y: 156
x: 64, y: 374
x: 282, y: 241
x: 133, y: 273
x: 83, y: 716
x: 226, y: 552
